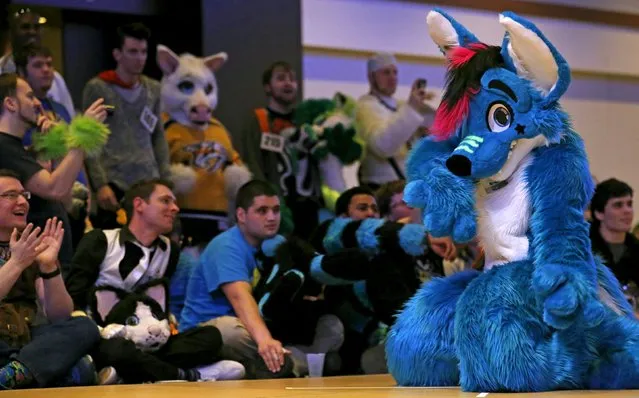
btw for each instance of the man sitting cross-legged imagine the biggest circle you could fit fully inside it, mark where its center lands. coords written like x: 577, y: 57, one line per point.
x: 40, y: 344
x: 220, y: 289
x: 132, y: 256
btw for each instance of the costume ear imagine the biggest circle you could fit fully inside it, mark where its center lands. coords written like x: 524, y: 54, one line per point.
x: 157, y: 293
x: 167, y: 60
x: 446, y: 32
x: 215, y: 62
x: 339, y: 99
x: 527, y: 52
x: 105, y: 301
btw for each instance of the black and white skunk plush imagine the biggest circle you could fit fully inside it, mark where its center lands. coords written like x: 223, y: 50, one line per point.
x: 140, y: 316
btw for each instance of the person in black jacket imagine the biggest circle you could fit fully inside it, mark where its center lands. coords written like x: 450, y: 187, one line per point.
x: 612, y: 211
x: 392, y: 277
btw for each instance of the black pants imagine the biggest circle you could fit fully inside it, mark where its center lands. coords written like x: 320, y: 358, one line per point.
x: 186, y: 350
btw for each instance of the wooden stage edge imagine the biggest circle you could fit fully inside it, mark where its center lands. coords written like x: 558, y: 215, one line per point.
x: 350, y: 386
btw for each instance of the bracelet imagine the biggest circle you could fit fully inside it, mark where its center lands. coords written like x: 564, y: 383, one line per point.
x: 50, y: 274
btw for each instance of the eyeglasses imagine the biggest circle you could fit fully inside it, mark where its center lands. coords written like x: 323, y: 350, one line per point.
x: 13, y: 195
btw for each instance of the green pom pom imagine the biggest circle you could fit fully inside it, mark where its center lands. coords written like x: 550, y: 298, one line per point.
x: 87, y: 134
x: 53, y: 144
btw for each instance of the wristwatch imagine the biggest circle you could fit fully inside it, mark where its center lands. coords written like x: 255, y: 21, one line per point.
x: 50, y: 275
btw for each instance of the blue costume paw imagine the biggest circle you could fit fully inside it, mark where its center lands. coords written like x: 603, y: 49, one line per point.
x: 567, y: 296
x: 461, y: 229
x: 448, y: 210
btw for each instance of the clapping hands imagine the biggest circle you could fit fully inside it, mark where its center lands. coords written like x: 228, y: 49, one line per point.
x: 31, y: 245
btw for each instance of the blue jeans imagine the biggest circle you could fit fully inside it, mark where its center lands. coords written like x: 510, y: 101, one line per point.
x: 54, y: 349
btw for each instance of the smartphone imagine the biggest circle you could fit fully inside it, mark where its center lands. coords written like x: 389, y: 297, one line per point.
x: 110, y: 109
x: 421, y: 83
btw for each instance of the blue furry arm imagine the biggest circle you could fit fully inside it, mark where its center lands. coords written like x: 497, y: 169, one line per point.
x: 565, y: 275
x: 447, y: 201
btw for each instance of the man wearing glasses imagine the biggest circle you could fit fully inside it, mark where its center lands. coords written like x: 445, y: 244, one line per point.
x: 39, y: 341
x: 19, y: 111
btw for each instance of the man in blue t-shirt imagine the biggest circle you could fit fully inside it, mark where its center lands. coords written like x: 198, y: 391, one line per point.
x: 220, y: 291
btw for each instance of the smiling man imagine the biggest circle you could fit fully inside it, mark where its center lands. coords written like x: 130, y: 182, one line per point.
x: 127, y: 258
x: 135, y: 254
x: 20, y: 110
x: 612, y: 216
x: 39, y: 341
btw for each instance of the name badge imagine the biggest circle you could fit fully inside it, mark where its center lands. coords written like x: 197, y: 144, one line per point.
x: 148, y: 119
x: 272, y: 142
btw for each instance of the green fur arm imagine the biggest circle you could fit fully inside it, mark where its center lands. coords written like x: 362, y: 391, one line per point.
x: 87, y: 134
x: 53, y: 144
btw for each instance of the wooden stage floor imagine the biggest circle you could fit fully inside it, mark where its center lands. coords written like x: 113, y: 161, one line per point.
x: 351, y: 386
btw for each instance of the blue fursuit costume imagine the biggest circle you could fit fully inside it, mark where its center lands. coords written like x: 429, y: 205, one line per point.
x: 504, y: 164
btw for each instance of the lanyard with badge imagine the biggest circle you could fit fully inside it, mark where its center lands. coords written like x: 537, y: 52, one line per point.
x: 268, y: 141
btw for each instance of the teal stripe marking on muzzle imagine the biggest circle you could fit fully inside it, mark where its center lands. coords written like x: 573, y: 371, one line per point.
x: 471, y: 143
x: 464, y: 148
x: 474, y: 138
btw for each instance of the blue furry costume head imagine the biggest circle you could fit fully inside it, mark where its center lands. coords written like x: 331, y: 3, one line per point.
x: 504, y: 164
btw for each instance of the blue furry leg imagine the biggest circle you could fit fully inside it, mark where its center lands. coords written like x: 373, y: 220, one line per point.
x: 617, y: 339
x: 504, y: 344
x: 617, y: 365
x: 420, y: 347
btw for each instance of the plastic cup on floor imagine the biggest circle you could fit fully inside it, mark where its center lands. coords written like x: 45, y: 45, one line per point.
x: 315, y: 364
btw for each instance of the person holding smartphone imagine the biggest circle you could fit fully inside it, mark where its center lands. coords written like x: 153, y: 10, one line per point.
x: 387, y: 125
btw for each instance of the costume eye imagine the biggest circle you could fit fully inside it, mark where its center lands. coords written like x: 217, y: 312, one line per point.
x: 186, y: 87
x: 499, y: 118
x: 208, y: 89
x: 132, y: 321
